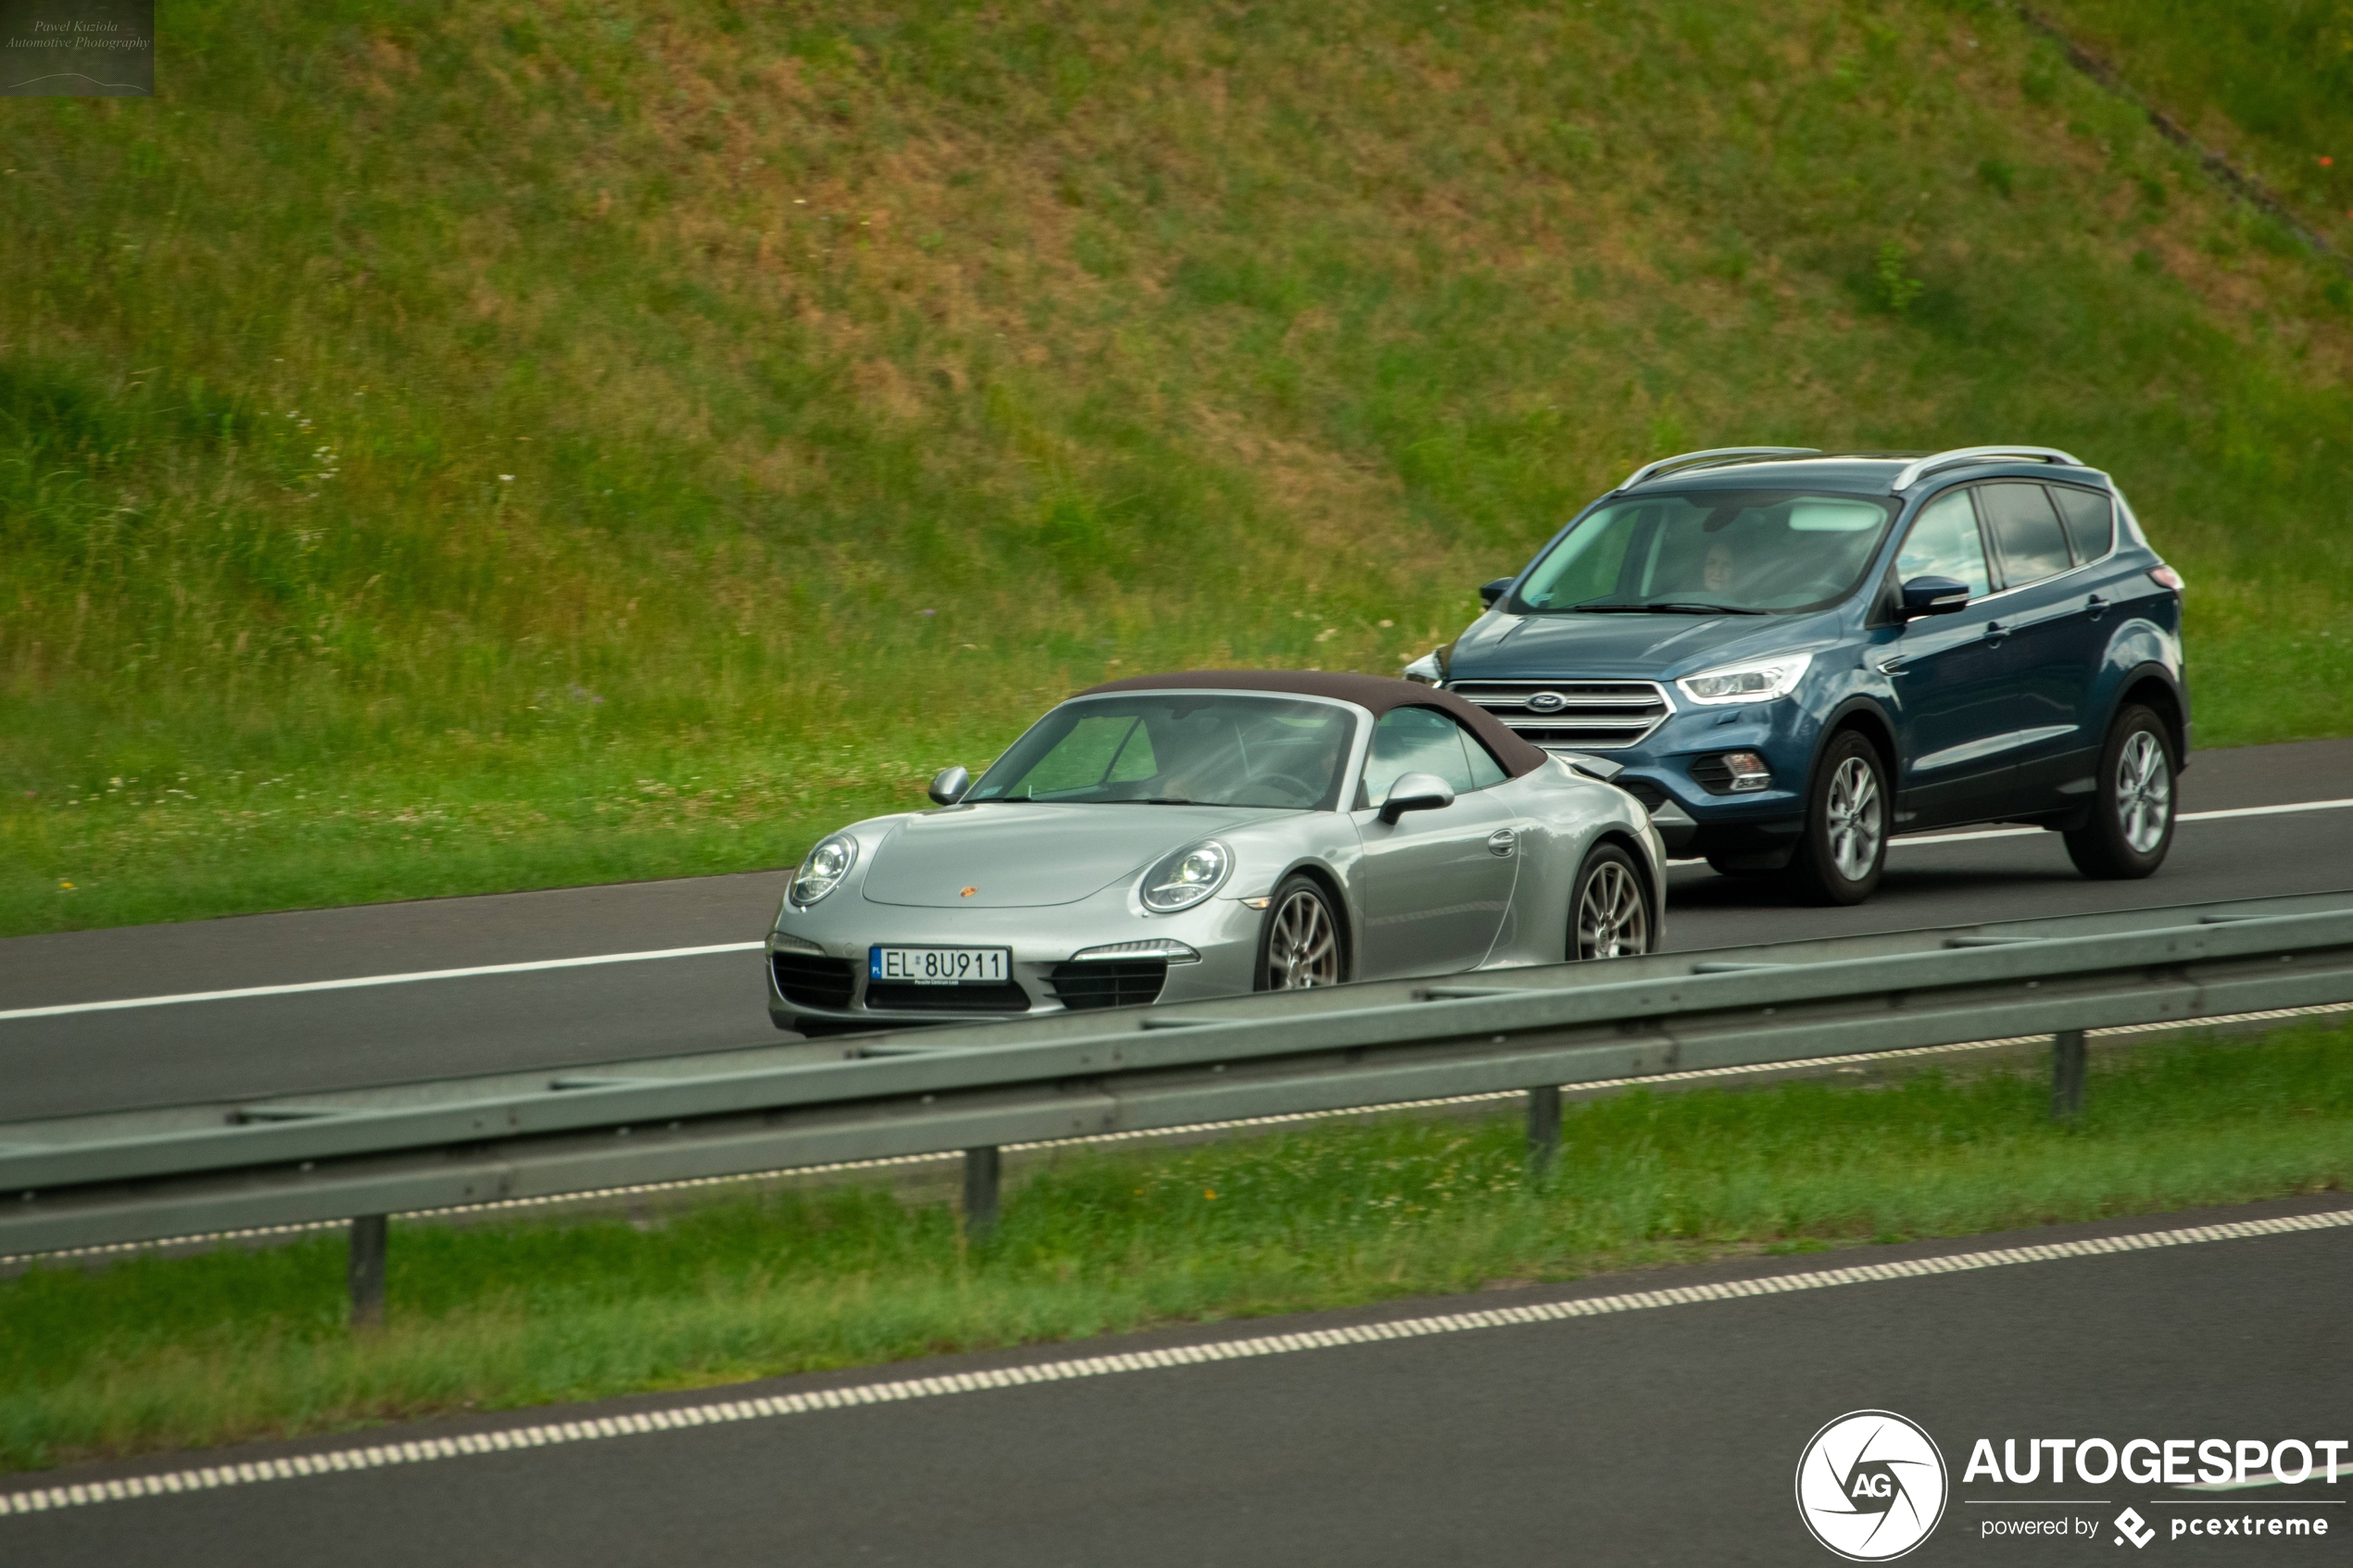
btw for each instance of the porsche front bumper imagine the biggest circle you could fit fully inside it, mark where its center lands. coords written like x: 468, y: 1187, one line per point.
x: 818, y: 959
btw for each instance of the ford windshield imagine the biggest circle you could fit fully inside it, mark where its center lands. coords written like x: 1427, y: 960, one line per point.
x: 1709, y: 552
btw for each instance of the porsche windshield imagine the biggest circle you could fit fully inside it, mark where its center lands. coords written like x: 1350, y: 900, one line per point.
x: 1726, y: 552
x: 1177, y: 749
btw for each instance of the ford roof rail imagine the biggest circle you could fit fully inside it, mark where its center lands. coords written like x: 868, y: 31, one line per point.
x: 1913, y: 473
x: 1710, y: 458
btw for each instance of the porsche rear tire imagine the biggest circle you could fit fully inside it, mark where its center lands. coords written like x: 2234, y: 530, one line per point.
x: 1610, y: 910
x: 1303, y: 943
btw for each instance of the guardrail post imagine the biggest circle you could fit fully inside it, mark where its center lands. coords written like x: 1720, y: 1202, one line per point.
x: 981, y: 1168
x: 1543, y: 1128
x: 2067, y: 1075
x: 366, y: 1269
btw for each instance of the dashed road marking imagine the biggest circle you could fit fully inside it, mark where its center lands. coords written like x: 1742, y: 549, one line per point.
x: 422, y: 1451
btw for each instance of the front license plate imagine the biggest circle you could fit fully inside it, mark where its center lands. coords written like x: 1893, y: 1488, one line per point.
x: 941, y: 966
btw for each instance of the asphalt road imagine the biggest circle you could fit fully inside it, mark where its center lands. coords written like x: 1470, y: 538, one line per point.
x: 1669, y: 1435
x: 309, y: 1042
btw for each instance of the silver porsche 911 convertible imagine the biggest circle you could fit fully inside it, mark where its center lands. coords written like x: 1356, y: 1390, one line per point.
x: 1171, y: 837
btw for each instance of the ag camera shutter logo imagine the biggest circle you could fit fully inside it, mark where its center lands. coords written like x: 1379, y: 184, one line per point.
x: 1871, y: 1486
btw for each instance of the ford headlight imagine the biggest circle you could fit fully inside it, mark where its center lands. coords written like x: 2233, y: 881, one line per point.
x: 1187, y: 877
x: 1760, y: 679
x: 822, y: 870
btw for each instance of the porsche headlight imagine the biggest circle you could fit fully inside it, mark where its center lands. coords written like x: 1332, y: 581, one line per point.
x: 1187, y: 877
x: 1759, y: 680
x: 823, y: 867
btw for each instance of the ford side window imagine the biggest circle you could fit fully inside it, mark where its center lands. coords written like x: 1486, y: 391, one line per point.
x: 2026, y: 531
x: 1944, y: 543
x: 2091, y: 521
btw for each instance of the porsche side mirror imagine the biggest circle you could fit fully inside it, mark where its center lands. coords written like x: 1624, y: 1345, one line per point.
x: 1489, y: 591
x: 950, y: 786
x: 1933, y: 595
x: 1416, y: 792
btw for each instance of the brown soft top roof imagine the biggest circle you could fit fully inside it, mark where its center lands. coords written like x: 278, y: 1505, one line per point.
x: 1376, y: 692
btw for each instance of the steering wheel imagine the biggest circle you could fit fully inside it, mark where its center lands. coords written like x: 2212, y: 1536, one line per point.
x: 1308, y: 792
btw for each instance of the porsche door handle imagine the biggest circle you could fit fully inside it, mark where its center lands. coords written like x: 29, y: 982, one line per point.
x: 1503, y: 841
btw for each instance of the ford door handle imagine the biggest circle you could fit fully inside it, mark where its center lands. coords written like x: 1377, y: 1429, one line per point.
x: 1997, y: 633
x: 1503, y: 841
x: 2096, y: 607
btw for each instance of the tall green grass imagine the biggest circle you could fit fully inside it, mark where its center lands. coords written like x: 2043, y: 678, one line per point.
x: 159, y: 1353
x: 440, y: 439
x: 2270, y: 85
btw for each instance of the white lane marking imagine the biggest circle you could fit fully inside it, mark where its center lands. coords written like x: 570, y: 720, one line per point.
x: 65, y: 1007
x: 2185, y: 817
x: 2266, y: 811
x: 2024, y: 833
x: 381, y: 980
x: 1143, y: 1360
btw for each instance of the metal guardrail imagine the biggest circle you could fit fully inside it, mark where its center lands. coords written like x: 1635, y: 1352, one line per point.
x: 180, y: 1171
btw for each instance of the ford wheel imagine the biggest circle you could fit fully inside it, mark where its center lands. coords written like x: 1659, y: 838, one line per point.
x: 2131, y: 825
x: 1839, y: 858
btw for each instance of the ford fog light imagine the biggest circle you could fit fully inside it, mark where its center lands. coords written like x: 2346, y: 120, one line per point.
x: 1748, y: 771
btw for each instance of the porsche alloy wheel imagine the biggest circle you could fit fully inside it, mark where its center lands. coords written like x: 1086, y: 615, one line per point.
x: 1613, y: 907
x: 1301, y: 948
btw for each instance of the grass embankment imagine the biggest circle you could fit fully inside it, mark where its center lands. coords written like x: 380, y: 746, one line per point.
x: 448, y: 445
x: 163, y: 1353
x: 2270, y: 86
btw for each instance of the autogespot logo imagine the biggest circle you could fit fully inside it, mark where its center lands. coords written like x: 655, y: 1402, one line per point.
x: 1870, y: 1485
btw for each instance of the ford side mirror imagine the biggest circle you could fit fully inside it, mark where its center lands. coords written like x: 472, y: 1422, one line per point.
x: 1933, y: 595
x: 1489, y: 591
x: 1415, y: 792
x: 950, y: 786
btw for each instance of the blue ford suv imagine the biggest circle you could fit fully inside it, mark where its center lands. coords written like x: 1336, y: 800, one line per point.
x: 1789, y: 656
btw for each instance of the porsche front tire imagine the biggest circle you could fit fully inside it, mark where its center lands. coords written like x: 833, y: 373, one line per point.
x: 1303, y: 943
